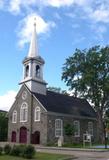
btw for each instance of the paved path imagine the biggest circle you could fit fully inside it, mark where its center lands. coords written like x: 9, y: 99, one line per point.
x: 79, y: 154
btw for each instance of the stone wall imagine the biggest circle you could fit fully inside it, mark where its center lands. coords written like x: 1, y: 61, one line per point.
x: 16, y: 126
x: 41, y: 125
x: 51, y: 139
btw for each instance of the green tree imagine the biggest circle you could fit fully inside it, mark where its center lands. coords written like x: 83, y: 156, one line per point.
x: 54, y: 89
x: 69, y: 129
x: 57, y: 90
x: 86, y: 72
x: 3, y: 126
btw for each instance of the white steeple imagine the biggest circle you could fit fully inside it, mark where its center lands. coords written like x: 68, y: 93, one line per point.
x: 33, y: 50
x: 33, y: 68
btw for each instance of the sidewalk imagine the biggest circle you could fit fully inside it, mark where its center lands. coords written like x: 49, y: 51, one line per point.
x: 73, y: 149
x: 79, y: 153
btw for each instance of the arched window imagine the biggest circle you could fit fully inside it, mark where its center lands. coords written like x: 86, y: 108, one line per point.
x: 58, y: 128
x: 24, y: 112
x: 37, y: 114
x: 14, y: 117
x: 90, y: 128
x: 27, y: 71
x: 76, y: 128
x: 37, y: 71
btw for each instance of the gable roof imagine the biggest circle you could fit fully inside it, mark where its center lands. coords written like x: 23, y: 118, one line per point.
x: 60, y: 103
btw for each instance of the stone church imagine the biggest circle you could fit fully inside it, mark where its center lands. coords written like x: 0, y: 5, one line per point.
x: 39, y: 116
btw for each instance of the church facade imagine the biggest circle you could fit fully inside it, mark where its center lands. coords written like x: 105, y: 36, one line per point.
x: 39, y: 116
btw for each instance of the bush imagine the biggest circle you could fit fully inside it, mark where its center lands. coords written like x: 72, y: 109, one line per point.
x: 29, y: 152
x: 22, y: 149
x: 1, y: 150
x: 15, y: 151
x: 7, y: 149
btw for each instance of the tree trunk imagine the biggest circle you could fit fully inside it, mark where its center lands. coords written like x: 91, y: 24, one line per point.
x: 101, y: 130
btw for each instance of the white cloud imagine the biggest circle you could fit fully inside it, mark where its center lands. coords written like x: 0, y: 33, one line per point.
x: 99, y: 31
x: 58, y: 3
x: 83, y: 2
x: 16, y: 5
x: 1, y: 4
x: 96, y: 10
x: 26, y: 26
x: 7, y: 100
x: 93, y: 11
x: 63, y: 3
x: 100, y: 15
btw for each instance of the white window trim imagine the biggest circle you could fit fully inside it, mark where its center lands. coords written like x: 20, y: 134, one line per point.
x: 21, y: 118
x: 37, y: 109
x: 90, y: 127
x: 78, y: 128
x: 61, y: 128
x: 14, y: 116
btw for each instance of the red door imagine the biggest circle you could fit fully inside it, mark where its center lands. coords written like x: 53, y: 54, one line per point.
x: 23, y: 135
x: 13, y: 136
x: 36, y: 138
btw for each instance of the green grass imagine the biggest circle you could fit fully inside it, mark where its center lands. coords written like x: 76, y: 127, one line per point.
x: 48, y: 156
x: 74, y: 145
x: 40, y: 156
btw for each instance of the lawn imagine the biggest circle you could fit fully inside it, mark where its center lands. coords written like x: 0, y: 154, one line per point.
x: 40, y: 156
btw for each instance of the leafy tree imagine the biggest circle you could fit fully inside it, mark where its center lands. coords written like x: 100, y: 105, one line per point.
x: 3, y: 126
x: 86, y: 72
x: 57, y: 90
x: 69, y: 129
x: 54, y: 89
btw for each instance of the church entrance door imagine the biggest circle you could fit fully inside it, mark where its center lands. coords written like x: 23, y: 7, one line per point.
x: 23, y: 135
x: 36, y: 137
x: 13, y: 136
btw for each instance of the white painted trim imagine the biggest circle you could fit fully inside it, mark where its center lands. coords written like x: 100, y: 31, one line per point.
x: 59, y: 129
x: 21, y: 116
x: 90, y: 127
x: 37, y: 109
x: 14, y: 116
x: 78, y: 128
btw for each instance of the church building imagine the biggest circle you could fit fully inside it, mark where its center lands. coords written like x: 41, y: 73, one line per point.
x: 39, y: 116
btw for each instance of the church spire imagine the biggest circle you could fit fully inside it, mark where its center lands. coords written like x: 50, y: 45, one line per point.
x: 33, y: 50
x: 33, y: 68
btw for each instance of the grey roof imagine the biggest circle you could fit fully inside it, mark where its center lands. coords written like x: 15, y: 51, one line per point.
x: 60, y: 103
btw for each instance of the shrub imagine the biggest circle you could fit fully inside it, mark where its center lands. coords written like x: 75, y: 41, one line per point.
x: 69, y: 129
x: 29, y: 152
x: 7, y: 149
x: 22, y: 149
x: 1, y: 150
x: 15, y: 151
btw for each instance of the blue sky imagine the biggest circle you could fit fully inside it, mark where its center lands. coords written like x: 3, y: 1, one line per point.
x: 62, y: 26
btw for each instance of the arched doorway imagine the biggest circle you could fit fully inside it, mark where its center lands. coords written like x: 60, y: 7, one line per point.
x: 13, y: 136
x: 36, y: 137
x: 23, y: 135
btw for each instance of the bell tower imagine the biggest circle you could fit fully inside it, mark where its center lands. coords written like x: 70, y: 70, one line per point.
x: 33, y: 67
